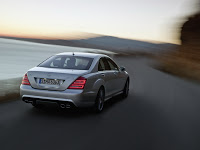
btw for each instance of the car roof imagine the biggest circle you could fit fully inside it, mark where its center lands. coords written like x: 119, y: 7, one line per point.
x: 91, y: 55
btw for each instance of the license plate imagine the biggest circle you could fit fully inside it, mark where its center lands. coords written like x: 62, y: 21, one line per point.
x: 49, y: 81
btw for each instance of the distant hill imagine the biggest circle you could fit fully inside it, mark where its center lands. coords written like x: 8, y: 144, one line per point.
x: 121, y: 44
x: 109, y: 43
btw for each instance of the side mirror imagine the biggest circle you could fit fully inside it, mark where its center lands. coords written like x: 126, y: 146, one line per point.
x: 122, y: 68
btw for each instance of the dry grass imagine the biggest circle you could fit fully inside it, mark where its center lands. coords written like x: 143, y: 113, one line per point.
x: 9, y: 89
x: 181, y: 63
x: 9, y: 96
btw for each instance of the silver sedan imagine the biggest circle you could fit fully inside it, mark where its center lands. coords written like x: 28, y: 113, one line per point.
x: 75, y: 79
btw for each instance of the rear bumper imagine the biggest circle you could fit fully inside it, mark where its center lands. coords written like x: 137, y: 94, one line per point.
x: 79, y: 98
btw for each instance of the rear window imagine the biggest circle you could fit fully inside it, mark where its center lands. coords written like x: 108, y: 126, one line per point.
x: 67, y: 62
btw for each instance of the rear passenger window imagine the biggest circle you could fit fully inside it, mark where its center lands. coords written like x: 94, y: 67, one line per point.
x: 107, y: 67
x: 101, y: 66
x: 112, y: 65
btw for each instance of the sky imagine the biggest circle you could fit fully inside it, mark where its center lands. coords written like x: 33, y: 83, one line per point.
x: 149, y: 20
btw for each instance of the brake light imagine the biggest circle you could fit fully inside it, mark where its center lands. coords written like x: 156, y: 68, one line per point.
x: 79, y: 83
x: 25, y: 80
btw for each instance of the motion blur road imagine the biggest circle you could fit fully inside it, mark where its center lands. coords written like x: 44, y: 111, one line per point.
x: 162, y: 112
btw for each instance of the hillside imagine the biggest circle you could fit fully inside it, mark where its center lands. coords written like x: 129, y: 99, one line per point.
x: 109, y: 43
x: 127, y: 44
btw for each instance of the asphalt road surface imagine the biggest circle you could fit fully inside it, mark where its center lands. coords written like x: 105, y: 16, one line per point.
x: 162, y: 112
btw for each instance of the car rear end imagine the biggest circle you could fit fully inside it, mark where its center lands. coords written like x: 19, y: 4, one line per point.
x: 68, y: 87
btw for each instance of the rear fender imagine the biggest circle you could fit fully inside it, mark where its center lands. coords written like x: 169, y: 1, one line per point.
x: 98, y: 84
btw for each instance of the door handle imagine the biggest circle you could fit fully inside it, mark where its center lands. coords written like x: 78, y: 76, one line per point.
x: 115, y: 73
x: 102, y: 74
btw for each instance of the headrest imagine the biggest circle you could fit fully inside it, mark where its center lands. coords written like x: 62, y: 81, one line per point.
x: 56, y: 63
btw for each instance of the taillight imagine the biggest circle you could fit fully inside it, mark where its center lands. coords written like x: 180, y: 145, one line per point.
x: 25, y: 80
x: 79, y: 83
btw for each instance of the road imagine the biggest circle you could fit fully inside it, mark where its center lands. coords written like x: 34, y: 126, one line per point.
x: 162, y: 112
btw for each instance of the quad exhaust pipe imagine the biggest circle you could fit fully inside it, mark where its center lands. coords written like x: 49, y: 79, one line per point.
x: 63, y: 106
x: 28, y: 101
x: 68, y: 106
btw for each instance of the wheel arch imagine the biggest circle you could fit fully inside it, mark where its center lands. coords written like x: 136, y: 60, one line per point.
x: 128, y: 79
x: 98, y: 84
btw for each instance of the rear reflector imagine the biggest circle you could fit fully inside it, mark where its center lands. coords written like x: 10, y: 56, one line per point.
x: 25, y: 80
x: 79, y: 83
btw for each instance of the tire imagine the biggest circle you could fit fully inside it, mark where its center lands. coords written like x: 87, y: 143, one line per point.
x: 99, y: 102
x: 126, y: 89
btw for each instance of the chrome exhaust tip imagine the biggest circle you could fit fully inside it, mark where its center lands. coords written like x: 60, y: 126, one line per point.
x: 62, y: 106
x: 68, y: 106
x: 28, y: 101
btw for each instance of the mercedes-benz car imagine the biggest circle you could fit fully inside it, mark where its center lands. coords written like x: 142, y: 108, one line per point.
x: 74, y: 79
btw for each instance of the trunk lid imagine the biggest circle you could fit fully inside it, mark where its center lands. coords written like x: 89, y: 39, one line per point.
x: 53, y: 78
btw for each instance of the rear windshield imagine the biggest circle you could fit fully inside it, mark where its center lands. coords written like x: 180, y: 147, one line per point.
x: 67, y: 62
